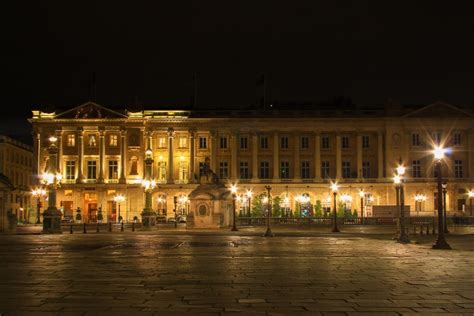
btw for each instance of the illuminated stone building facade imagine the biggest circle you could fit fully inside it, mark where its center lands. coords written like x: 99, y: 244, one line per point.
x: 297, y: 152
x: 16, y: 159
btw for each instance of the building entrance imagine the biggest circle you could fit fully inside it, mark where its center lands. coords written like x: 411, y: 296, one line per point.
x: 90, y: 208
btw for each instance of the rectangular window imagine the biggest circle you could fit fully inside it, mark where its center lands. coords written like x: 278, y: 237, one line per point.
x: 162, y: 142
x: 162, y: 171
x: 365, y: 141
x: 305, y: 169
x: 304, y: 142
x: 345, y: 141
x: 263, y: 142
x: 458, y: 169
x: 284, y: 142
x: 244, y: 170
x: 71, y: 140
x: 223, y: 142
x: 113, y: 169
x: 183, y: 171
x: 91, y: 169
x: 346, y: 169
x: 365, y: 169
x: 325, y: 169
x: 415, y: 139
x: 183, y: 142
x: 264, y: 170
x: 457, y: 139
x: 244, y: 142
x: 113, y: 140
x: 416, y: 169
x: 223, y: 169
x: 70, y: 170
x: 202, y: 142
x: 284, y: 169
x: 325, y: 142
x: 201, y: 168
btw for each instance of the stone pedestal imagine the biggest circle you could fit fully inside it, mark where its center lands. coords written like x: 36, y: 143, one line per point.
x: 148, y: 218
x: 210, y: 207
x: 52, y: 221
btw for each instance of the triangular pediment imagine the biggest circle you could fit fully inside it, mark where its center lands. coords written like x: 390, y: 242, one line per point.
x: 439, y: 109
x: 90, y: 110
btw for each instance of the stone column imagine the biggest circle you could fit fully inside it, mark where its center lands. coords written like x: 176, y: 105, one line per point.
x: 297, y: 167
x: 123, y: 158
x: 276, y: 157
x: 380, y: 155
x: 59, y: 164
x: 80, y: 155
x: 254, y: 157
x: 359, y: 156
x: 317, y: 157
x: 338, y: 157
x: 170, y: 155
x: 101, y: 155
x: 213, y: 141
x: 191, y: 156
x: 233, y: 150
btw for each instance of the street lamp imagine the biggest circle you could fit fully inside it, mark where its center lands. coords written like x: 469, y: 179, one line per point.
x: 52, y: 179
x: 249, y: 194
x: 440, y: 243
x: 334, y: 188
x: 268, y: 233
x: 38, y: 193
x: 233, y: 190
x: 362, y: 195
x: 470, y: 194
x: 398, y: 181
x: 119, y: 198
x: 149, y: 184
x: 419, y: 199
x: 445, y: 190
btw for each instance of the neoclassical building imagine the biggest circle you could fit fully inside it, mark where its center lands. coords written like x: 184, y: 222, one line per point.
x: 297, y: 151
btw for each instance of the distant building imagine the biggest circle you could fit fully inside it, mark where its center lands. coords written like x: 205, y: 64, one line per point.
x: 296, y: 150
x: 16, y: 159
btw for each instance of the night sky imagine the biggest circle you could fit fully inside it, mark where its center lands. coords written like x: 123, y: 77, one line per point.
x: 414, y: 52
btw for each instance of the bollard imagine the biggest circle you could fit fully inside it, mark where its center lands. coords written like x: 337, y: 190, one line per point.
x: 110, y: 226
x: 97, y: 230
x: 121, y: 227
x: 70, y: 229
x: 133, y: 226
x: 84, y: 231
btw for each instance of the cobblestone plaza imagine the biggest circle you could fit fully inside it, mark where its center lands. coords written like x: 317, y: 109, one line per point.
x: 299, y: 272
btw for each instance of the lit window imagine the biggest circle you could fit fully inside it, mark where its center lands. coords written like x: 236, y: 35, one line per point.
x: 162, y: 171
x: 70, y: 170
x: 183, y: 171
x: 71, y: 140
x: 162, y: 142
x: 183, y: 142
x: 91, y: 169
x: 113, y: 169
x: 113, y: 140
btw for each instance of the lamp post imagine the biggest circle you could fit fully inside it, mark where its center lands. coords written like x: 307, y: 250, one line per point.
x: 440, y: 243
x: 175, y: 202
x: 38, y: 193
x: 52, y: 180
x: 361, y: 195
x: 470, y: 194
x: 334, y: 188
x: 398, y: 180
x: 445, y: 190
x: 233, y: 190
x: 148, y: 215
x: 268, y: 233
x: 249, y: 194
x: 119, y: 198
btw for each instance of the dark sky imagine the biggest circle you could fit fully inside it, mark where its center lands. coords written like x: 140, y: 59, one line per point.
x: 414, y: 52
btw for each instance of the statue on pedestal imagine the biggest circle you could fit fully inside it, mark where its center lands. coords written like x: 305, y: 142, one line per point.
x: 208, y: 176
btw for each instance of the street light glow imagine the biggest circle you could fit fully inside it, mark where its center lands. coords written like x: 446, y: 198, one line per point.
x: 361, y: 193
x: 397, y: 179
x: 439, y: 152
x: 401, y: 170
x: 249, y: 193
x: 53, y: 139
x: 119, y: 198
x: 334, y: 187
x: 470, y: 194
x: 233, y: 188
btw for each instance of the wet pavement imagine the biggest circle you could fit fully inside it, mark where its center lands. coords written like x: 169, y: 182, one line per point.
x: 177, y: 272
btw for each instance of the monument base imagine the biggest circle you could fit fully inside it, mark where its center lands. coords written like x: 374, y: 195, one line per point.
x: 52, y: 221
x: 148, y: 218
